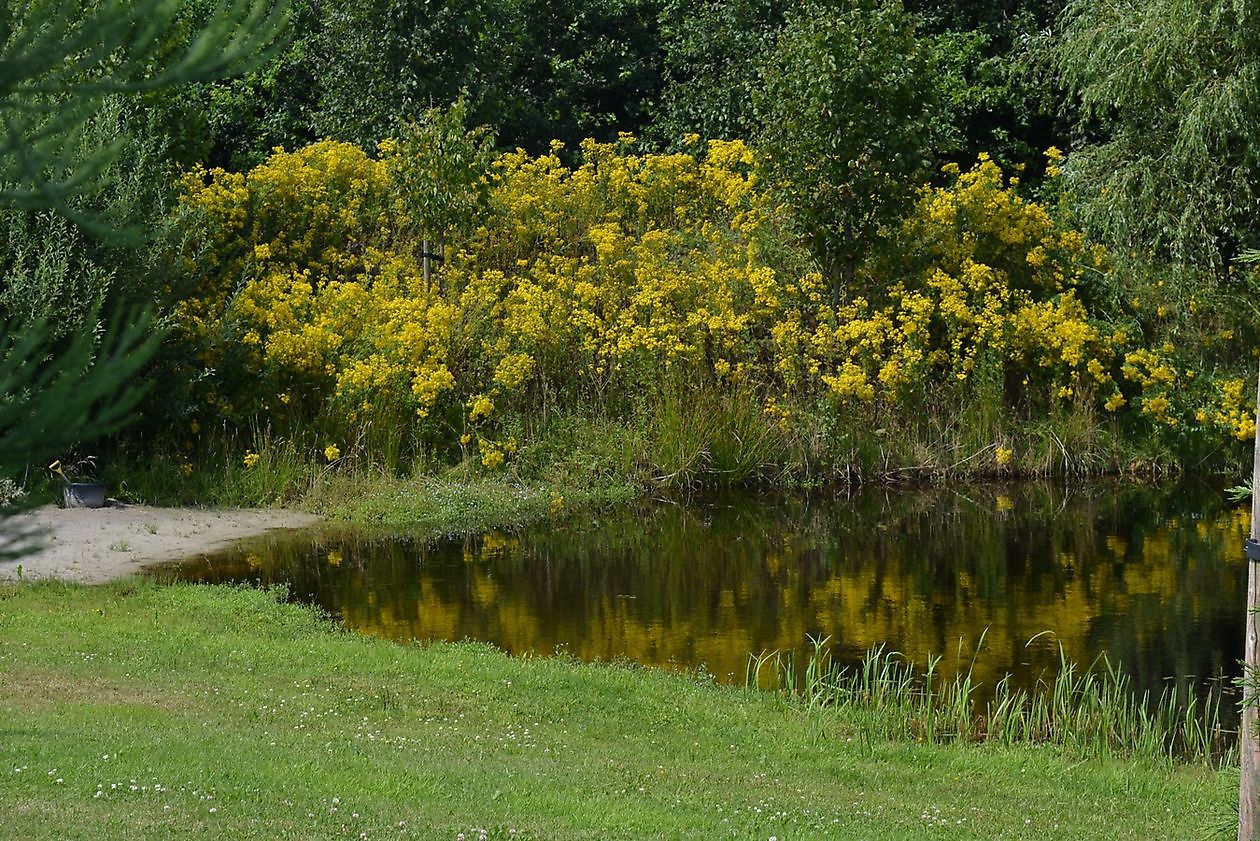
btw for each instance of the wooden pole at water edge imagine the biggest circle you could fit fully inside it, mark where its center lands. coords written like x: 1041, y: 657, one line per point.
x: 1248, y: 739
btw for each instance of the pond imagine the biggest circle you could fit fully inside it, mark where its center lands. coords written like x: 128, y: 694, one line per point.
x: 995, y: 578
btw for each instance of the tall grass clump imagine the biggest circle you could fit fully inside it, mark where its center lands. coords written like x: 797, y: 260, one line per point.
x: 711, y: 437
x: 1091, y: 712
x: 256, y: 469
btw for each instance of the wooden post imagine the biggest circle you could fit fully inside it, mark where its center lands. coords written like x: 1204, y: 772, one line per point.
x: 424, y: 261
x: 1248, y: 740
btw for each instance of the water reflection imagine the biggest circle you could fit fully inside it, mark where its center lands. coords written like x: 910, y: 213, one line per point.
x: 1151, y: 576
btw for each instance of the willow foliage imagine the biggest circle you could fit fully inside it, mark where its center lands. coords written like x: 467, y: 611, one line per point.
x: 1171, y: 89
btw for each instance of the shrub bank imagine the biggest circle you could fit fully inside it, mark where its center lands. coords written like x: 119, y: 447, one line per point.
x: 667, y: 294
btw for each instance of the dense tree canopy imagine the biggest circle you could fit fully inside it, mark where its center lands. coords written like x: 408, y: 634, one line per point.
x: 61, y: 59
x: 711, y: 52
x: 236, y: 121
x: 1003, y: 100
x: 536, y: 71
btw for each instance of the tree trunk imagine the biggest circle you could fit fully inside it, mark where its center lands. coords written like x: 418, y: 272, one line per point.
x: 842, y: 268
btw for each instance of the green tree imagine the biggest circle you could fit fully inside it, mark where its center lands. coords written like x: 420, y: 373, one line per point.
x: 53, y: 269
x: 384, y: 62
x: 60, y: 62
x: 534, y: 70
x: 1001, y: 97
x: 851, y: 119
x: 440, y: 169
x: 1169, y: 91
x: 245, y: 116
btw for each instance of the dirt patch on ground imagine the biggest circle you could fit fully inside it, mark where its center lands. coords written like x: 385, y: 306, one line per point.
x: 39, y: 691
x: 95, y: 545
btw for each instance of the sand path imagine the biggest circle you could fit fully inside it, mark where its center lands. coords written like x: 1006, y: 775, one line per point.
x: 93, y: 546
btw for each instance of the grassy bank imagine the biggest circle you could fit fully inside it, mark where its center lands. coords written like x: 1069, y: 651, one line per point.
x: 139, y: 711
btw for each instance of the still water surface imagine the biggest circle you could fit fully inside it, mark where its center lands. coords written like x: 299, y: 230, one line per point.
x: 1152, y: 576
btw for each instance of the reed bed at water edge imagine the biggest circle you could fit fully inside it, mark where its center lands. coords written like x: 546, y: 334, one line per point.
x: 1091, y: 711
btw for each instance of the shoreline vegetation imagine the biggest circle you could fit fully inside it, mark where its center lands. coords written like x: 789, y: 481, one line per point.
x: 574, y: 463
x: 652, y: 319
x: 103, y: 683
x: 640, y: 322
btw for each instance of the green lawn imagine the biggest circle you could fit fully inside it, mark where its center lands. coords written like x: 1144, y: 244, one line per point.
x: 136, y: 711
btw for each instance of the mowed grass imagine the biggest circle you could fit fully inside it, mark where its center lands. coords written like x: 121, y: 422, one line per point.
x: 136, y: 710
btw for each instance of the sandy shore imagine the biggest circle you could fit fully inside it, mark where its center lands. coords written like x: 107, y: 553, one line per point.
x: 97, y: 545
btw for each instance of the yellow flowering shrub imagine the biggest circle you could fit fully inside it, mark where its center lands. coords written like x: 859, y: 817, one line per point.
x: 310, y: 302
x: 304, y: 300
x: 305, y: 286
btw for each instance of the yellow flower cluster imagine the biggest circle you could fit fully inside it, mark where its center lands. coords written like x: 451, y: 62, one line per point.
x: 306, y: 284
x: 310, y: 289
x: 1231, y: 411
x: 991, y: 286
